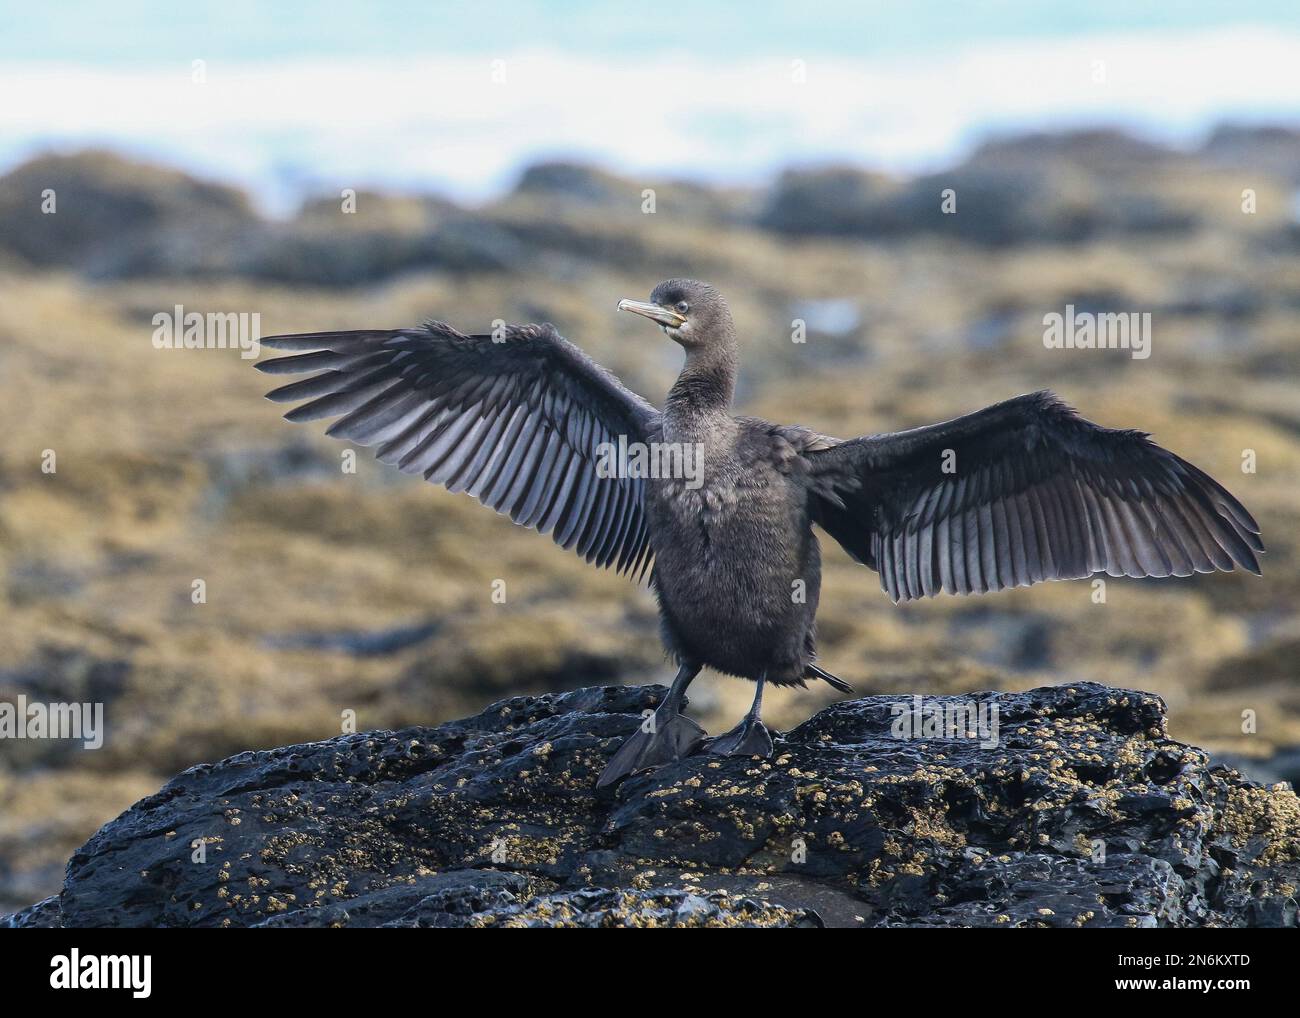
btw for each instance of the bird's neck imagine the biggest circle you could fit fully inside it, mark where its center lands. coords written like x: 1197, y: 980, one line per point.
x: 706, y: 385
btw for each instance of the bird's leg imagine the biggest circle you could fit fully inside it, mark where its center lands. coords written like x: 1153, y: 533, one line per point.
x: 664, y: 736
x: 750, y: 737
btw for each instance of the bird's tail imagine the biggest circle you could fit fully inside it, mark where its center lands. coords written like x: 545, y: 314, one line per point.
x: 814, y: 672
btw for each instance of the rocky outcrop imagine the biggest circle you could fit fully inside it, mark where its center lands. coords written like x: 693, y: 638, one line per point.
x: 84, y: 210
x: 1000, y: 198
x: 1081, y: 812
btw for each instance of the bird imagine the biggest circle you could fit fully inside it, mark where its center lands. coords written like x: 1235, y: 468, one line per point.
x: 1019, y: 492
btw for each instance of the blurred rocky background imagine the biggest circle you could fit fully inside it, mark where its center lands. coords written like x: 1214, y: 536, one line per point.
x: 330, y: 592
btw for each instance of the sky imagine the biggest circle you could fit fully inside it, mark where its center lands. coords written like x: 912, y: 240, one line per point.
x: 456, y: 97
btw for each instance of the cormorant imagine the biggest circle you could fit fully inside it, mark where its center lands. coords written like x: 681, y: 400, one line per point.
x: 1022, y: 491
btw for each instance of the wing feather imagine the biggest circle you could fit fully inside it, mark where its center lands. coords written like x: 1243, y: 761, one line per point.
x: 1038, y: 493
x: 514, y: 420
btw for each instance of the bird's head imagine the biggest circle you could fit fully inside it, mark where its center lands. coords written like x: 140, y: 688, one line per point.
x: 691, y: 313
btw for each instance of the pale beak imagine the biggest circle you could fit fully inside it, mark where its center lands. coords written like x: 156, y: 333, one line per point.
x: 666, y: 317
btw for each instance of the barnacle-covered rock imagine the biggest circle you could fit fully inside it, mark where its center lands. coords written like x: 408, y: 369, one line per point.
x: 1061, y: 806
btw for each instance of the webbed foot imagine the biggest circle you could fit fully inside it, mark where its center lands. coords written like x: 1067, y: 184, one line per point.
x: 667, y: 740
x: 749, y: 738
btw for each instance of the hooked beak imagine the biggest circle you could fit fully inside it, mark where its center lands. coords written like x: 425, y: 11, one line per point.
x: 666, y: 317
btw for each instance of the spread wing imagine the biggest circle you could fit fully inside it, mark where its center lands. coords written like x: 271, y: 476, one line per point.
x: 1023, y: 491
x: 515, y: 420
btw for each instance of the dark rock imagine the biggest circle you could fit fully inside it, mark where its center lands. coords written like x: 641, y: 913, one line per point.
x: 1064, y: 188
x: 121, y: 219
x: 43, y: 915
x: 106, y: 205
x: 435, y: 899
x: 828, y: 201
x: 314, y: 251
x: 1014, y: 642
x: 1272, y: 151
x: 31, y: 580
x: 58, y: 674
x: 318, y: 251
x: 1282, y: 765
x: 1017, y: 203
x: 357, y: 643
x: 66, y: 674
x: 1084, y: 813
x: 577, y: 242
x: 565, y: 186
x: 1098, y: 151
x: 236, y: 471
x: 576, y: 181
x: 605, y: 907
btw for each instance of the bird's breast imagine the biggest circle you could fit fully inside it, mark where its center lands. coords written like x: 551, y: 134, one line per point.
x: 735, y: 524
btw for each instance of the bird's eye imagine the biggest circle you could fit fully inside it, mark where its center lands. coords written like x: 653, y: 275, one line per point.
x: 683, y: 307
